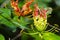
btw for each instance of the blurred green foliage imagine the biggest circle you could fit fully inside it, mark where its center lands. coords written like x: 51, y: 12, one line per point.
x: 11, y: 21
x: 2, y: 37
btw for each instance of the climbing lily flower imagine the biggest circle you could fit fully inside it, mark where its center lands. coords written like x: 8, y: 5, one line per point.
x: 14, y: 5
x: 26, y: 7
x: 40, y: 18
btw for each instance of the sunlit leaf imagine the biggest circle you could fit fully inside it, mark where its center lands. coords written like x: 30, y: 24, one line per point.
x: 2, y: 37
x: 50, y: 36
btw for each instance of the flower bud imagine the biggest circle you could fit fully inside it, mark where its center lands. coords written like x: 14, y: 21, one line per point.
x: 40, y: 18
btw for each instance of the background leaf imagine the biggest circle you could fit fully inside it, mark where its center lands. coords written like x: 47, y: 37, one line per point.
x: 2, y: 37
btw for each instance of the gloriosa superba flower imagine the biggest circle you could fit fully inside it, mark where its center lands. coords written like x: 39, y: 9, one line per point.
x: 39, y: 14
x: 25, y: 9
x: 40, y: 18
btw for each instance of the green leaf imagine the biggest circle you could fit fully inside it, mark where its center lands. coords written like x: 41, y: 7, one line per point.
x: 5, y: 12
x: 21, y: 3
x: 41, y: 3
x: 2, y: 37
x: 23, y: 21
x: 24, y: 37
x: 5, y: 18
x: 36, y: 37
x: 50, y: 36
x: 46, y: 1
x: 8, y: 23
x: 1, y: 1
x: 18, y: 22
